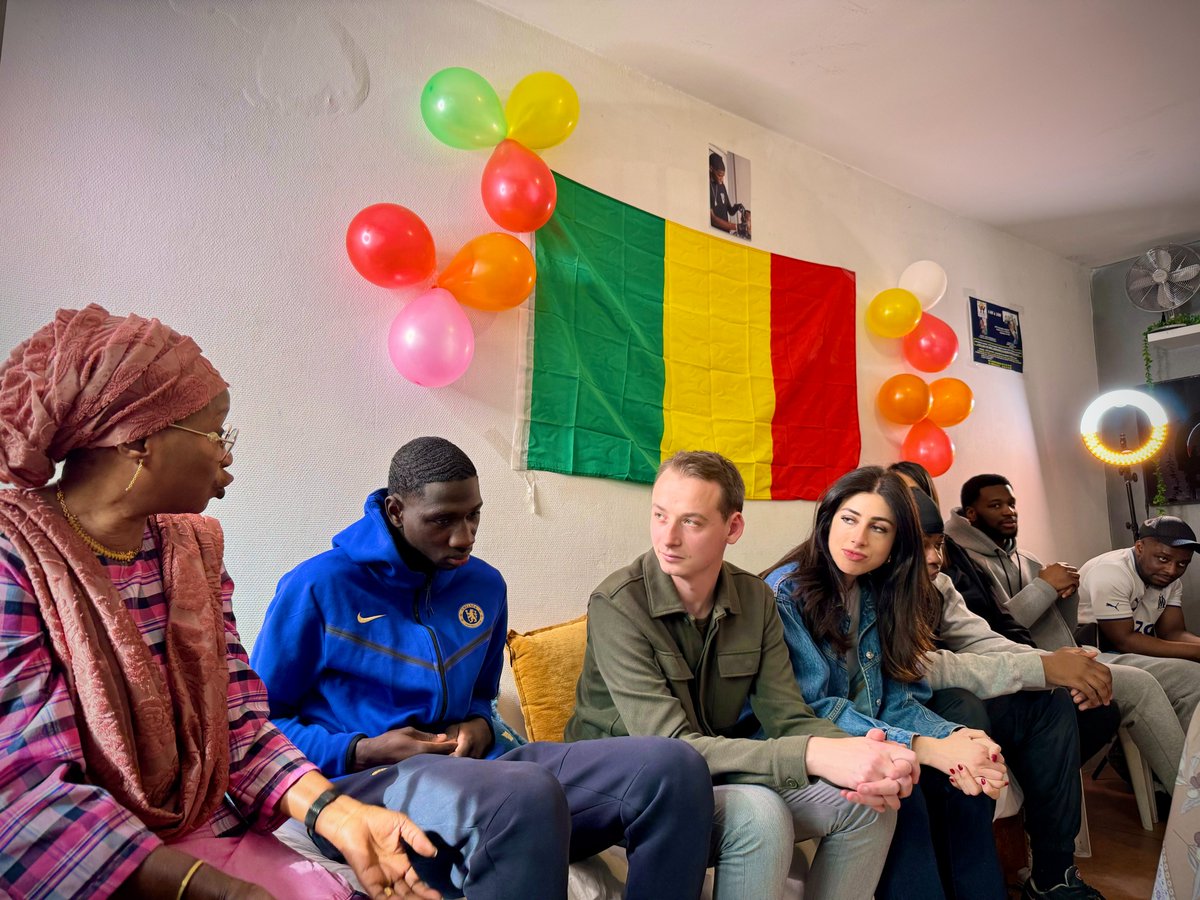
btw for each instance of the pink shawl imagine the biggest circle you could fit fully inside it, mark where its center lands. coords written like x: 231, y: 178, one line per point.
x: 159, y: 746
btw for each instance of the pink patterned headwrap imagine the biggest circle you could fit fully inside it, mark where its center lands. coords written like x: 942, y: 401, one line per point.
x: 92, y: 379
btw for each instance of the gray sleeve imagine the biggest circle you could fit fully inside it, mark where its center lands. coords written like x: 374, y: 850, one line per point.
x: 976, y: 658
x: 1032, y: 602
x: 965, y: 632
x: 985, y: 676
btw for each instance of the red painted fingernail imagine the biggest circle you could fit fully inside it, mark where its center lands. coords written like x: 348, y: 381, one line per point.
x: 960, y: 767
x: 983, y: 781
x: 995, y: 756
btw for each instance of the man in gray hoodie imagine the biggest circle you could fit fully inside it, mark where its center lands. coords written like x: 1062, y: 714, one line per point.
x: 979, y: 680
x: 1043, y: 599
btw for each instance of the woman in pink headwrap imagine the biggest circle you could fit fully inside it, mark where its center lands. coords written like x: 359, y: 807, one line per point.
x: 136, y: 755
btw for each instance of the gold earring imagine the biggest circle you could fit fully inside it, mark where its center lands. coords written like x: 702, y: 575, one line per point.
x: 136, y: 473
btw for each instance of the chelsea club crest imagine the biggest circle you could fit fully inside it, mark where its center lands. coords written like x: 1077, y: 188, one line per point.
x: 471, y: 615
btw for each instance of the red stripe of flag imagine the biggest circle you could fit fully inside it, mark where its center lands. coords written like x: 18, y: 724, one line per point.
x: 815, y: 429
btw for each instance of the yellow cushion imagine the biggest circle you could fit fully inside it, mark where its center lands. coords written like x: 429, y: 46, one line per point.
x: 546, y: 664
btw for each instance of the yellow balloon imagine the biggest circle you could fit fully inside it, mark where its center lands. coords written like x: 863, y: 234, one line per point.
x: 893, y: 313
x: 542, y: 110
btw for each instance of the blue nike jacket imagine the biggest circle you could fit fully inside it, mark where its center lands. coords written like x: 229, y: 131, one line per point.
x: 356, y: 643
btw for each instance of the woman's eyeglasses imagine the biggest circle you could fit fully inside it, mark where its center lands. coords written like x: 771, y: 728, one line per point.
x: 227, y: 437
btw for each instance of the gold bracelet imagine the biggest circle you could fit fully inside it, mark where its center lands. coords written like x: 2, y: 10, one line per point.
x: 183, y: 885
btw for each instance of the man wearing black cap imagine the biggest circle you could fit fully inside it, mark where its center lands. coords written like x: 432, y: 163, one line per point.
x: 1136, y: 598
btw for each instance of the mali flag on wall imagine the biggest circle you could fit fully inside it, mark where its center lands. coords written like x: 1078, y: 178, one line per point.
x: 648, y: 337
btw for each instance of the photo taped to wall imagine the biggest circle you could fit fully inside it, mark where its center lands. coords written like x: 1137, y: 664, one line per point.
x: 729, y: 192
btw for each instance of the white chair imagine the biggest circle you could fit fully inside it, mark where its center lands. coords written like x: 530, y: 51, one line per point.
x: 1140, y: 778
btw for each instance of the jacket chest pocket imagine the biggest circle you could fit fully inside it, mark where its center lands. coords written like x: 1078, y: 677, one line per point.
x: 738, y: 663
x: 727, y: 697
x: 673, y: 665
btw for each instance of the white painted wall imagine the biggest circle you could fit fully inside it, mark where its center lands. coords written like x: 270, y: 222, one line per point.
x: 199, y: 161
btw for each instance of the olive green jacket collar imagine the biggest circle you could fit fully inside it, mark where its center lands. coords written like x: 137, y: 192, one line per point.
x: 662, y: 599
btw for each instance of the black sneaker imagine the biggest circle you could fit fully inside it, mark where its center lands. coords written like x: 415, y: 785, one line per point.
x: 1072, y: 888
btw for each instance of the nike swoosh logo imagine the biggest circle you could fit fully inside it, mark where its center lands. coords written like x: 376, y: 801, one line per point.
x: 365, y: 619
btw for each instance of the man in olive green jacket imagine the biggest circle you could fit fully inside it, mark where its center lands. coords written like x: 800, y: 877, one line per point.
x: 679, y: 643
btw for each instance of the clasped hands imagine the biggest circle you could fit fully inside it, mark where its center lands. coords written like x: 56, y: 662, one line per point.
x: 472, y: 739
x: 970, y: 758
x: 870, y: 770
x: 1076, y: 669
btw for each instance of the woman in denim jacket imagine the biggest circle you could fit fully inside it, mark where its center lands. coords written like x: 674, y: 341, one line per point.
x: 858, y: 613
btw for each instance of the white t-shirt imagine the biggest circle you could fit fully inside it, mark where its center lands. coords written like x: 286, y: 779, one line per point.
x: 1111, y: 588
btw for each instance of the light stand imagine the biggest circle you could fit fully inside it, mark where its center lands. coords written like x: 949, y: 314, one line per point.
x: 1130, y: 476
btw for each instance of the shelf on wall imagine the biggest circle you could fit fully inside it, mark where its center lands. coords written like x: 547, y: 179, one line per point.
x: 1175, y: 338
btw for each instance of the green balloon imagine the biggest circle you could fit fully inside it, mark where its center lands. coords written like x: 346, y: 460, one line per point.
x: 461, y: 109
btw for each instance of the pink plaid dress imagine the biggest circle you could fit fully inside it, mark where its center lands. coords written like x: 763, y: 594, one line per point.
x: 63, y: 837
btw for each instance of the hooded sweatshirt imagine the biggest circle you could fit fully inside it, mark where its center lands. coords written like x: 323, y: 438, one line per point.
x: 1032, y: 601
x: 973, y: 657
x: 355, y: 643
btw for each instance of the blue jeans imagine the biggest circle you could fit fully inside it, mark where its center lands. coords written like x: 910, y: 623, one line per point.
x: 943, y: 846
x: 508, y: 827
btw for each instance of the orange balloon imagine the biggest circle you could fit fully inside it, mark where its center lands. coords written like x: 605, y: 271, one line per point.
x: 904, y: 399
x: 494, y: 271
x: 952, y: 402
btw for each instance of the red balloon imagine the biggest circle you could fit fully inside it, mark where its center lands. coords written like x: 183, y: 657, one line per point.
x: 390, y: 246
x: 519, y: 192
x: 930, y: 446
x: 931, y: 346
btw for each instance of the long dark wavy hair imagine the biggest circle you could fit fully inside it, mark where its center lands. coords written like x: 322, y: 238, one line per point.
x: 907, y: 604
x: 920, y: 475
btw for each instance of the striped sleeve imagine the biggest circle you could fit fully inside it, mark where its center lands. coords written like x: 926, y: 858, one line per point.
x: 263, y: 763
x: 58, y: 837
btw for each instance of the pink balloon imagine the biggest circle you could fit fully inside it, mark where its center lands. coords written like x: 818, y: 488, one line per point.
x: 431, y: 342
x: 930, y: 446
x: 931, y: 346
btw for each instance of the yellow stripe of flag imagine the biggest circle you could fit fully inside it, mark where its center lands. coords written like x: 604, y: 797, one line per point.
x: 719, y: 391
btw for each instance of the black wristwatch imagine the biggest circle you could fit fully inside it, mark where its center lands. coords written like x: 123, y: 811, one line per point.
x: 318, y: 805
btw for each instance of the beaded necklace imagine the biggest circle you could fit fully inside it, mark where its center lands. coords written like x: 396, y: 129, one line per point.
x: 96, y: 547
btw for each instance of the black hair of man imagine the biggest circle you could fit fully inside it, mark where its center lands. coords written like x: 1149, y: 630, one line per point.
x: 716, y: 162
x: 974, y: 486
x: 427, y: 460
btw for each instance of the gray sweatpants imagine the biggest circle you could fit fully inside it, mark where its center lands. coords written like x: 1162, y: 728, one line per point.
x: 1157, y: 698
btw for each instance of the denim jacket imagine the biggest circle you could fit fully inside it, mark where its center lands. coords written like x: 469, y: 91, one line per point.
x: 896, y: 707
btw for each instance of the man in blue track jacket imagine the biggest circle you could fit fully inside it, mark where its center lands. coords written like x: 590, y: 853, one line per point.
x: 382, y: 657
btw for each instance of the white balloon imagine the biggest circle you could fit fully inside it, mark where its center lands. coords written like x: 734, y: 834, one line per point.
x: 927, y: 280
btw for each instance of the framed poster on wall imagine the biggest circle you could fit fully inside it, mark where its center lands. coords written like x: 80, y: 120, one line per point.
x: 996, y: 335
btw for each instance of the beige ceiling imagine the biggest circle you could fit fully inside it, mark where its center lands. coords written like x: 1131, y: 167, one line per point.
x: 1074, y: 124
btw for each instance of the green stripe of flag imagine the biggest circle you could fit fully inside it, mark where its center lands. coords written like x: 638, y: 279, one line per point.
x: 597, y: 381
